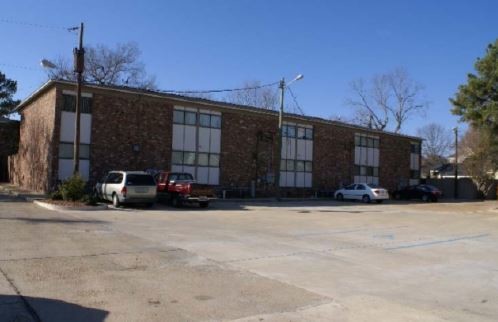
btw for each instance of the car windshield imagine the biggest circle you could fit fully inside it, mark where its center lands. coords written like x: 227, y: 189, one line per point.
x: 140, y: 180
x: 373, y: 185
x: 428, y: 188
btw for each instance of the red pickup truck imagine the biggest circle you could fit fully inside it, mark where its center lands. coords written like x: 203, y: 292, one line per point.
x: 180, y: 188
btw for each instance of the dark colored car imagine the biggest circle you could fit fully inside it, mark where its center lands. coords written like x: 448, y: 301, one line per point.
x: 423, y: 192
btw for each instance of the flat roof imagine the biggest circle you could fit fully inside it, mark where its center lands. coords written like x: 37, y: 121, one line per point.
x: 203, y: 101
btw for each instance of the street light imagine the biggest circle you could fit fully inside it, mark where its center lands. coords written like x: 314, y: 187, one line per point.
x: 79, y: 67
x: 282, y: 87
x: 456, y: 163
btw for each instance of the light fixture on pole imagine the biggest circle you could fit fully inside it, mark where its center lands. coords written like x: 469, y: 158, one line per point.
x: 282, y: 87
x: 456, y: 164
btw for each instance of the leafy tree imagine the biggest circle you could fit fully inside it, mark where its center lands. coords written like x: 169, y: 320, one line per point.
x: 390, y: 98
x: 108, y: 66
x: 477, y: 101
x: 8, y: 88
x: 479, y: 151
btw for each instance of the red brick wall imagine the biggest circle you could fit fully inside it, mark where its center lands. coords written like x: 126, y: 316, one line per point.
x: 30, y: 167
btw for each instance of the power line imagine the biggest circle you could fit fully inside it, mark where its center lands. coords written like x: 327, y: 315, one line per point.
x: 20, y: 66
x: 219, y: 90
x: 35, y: 25
x: 295, y: 100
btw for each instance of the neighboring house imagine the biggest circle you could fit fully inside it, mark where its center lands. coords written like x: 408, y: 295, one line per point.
x: 447, y: 170
x: 221, y: 144
x: 9, y: 138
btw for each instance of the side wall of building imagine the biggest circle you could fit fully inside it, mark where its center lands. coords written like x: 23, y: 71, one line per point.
x: 31, y: 167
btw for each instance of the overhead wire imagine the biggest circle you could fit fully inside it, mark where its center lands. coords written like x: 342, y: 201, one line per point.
x: 294, y: 98
x: 218, y: 90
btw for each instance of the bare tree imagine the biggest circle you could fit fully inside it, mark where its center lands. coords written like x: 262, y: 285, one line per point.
x: 436, y: 147
x: 108, y: 66
x: 388, y: 98
x: 265, y: 97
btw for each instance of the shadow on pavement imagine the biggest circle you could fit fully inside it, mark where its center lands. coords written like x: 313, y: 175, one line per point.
x: 15, y: 308
x: 54, y: 220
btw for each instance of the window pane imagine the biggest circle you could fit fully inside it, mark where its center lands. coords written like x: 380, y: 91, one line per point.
x: 66, y: 150
x: 204, y: 120
x: 356, y: 170
x: 370, y: 142
x: 140, y: 180
x: 177, y: 157
x: 283, y: 165
x: 301, y: 133
x: 376, y: 143
x: 369, y: 171
x: 300, y: 166
x: 214, y: 160
x: 84, y: 151
x: 363, y: 141
x: 375, y: 172
x: 357, y: 140
x: 291, y: 131
x: 363, y: 171
x: 308, y: 166
x: 290, y: 165
x: 189, y: 158
x: 309, y: 134
x: 178, y: 117
x: 190, y: 118
x: 86, y: 105
x: 216, y: 121
x: 69, y: 103
x: 203, y: 159
x: 284, y: 131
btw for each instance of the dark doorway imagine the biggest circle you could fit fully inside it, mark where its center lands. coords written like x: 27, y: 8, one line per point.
x: 4, y: 168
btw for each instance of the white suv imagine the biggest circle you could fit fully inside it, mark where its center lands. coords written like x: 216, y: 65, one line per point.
x: 122, y: 187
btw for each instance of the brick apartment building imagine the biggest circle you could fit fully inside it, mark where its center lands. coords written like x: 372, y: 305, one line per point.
x: 222, y: 144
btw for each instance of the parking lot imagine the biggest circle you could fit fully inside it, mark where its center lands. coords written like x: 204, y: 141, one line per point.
x: 290, y: 261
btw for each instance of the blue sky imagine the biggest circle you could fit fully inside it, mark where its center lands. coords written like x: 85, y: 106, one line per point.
x: 221, y: 43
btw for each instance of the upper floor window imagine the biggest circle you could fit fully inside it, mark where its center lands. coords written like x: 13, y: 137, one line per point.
x: 292, y: 131
x: 415, y: 148
x: 366, y: 141
x: 69, y: 104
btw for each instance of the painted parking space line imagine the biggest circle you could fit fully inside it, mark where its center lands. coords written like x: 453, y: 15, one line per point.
x: 436, y: 242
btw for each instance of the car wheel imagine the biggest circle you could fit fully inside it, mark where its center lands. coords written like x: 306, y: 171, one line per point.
x: 115, y: 201
x: 339, y: 197
x: 176, y: 202
x: 366, y: 199
x: 379, y: 201
x: 203, y: 204
x: 425, y: 198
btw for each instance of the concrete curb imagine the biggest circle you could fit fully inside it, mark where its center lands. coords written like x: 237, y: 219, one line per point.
x: 64, y: 208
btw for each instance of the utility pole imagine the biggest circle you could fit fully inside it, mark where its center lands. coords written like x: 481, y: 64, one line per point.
x: 79, y: 67
x: 456, y: 163
x: 279, y: 139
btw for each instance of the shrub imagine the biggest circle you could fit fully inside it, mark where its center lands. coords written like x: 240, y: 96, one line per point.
x: 56, y: 195
x: 90, y: 199
x: 73, y: 188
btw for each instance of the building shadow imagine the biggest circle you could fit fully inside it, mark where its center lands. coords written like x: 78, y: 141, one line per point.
x: 35, y: 309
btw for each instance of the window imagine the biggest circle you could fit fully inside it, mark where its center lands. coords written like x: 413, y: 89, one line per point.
x: 350, y: 187
x: 212, y: 121
x: 190, y: 118
x: 214, y: 160
x: 300, y: 166
x: 66, y: 151
x: 289, y: 131
x: 114, y: 178
x: 205, y: 120
x: 415, y: 148
x: 184, y: 117
x: 69, y: 104
x: 309, y: 134
x: 360, y: 187
x: 178, y: 117
x: 308, y: 166
x: 296, y: 165
x: 366, y: 171
x: 366, y: 141
x: 188, y: 158
x: 203, y: 159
